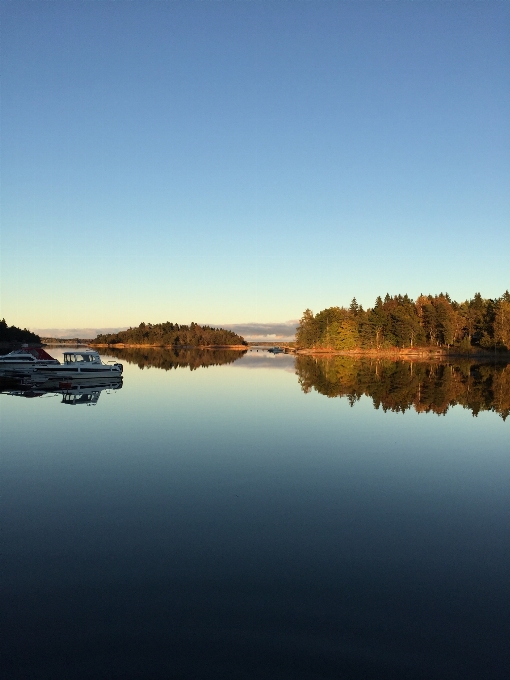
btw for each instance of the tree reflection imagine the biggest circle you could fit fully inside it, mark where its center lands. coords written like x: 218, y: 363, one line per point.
x: 167, y: 359
x: 402, y: 385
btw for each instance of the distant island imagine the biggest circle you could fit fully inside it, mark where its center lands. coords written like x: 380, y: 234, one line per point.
x: 399, y: 324
x: 172, y: 335
x: 12, y: 335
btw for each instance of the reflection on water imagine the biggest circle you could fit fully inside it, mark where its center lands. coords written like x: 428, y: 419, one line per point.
x: 221, y: 523
x: 402, y: 385
x: 396, y: 386
x: 186, y: 357
x: 73, y: 391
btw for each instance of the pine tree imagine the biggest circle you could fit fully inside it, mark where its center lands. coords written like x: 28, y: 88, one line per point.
x: 353, y: 308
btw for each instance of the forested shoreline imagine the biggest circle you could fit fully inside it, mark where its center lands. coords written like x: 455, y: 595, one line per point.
x: 398, y: 323
x: 15, y: 335
x: 171, y: 335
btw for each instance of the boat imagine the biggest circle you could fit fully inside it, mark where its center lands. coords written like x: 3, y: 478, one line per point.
x: 80, y: 364
x: 26, y: 358
x: 275, y: 350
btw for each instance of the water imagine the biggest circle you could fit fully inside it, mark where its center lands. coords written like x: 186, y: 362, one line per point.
x: 232, y: 521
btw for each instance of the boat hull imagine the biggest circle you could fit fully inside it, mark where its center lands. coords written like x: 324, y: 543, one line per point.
x: 75, y: 372
x: 24, y: 366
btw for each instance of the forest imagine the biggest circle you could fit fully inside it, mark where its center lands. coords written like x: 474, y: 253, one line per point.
x: 171, y: 335
x: 13, y: 334
x: 432, y: 321
x: 402, y: 385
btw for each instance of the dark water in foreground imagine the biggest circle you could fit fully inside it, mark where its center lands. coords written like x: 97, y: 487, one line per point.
x: 231, y: 521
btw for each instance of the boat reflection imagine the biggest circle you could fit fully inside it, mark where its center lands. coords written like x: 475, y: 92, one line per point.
x: 402, y: 385
x: 73, y: 391
x: 177, y: 357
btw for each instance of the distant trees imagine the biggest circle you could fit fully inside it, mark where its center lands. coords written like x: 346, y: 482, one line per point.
x: 13, y: 334
x: 400, y: 322
x: 171, y: 334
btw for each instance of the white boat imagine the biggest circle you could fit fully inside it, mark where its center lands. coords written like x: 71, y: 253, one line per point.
x: 26, y: 358
x: 80, y: 364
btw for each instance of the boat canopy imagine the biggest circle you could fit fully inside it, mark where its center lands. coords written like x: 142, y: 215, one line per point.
x: 37, y: 352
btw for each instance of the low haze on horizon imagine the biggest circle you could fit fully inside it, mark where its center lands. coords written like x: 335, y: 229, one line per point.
x: 250, y: 331
x: 235, y: 161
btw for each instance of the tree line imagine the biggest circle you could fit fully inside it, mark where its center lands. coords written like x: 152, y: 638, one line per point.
x: 401, y: 385
x: 171, y: 334
x: 13, y: 334
x: 432, y: 321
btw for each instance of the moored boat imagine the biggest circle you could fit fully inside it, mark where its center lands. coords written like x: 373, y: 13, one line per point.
x: 80, y: 364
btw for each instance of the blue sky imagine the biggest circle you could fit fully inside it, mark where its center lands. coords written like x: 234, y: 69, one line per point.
x: 236, y: 162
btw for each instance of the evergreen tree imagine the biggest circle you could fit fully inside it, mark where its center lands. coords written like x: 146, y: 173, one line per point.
x: 306, y: 332
x: 354, y: 307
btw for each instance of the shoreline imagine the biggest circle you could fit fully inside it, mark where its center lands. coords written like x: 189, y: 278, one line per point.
x: 404, y: 354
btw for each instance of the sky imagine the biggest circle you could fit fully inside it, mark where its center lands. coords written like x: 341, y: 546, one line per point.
x: 238, y: 162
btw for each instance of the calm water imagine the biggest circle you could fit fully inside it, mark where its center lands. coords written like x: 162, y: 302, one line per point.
x: 239, y: 520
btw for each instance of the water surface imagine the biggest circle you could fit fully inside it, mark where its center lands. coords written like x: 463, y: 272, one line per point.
x: 257, y: 517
